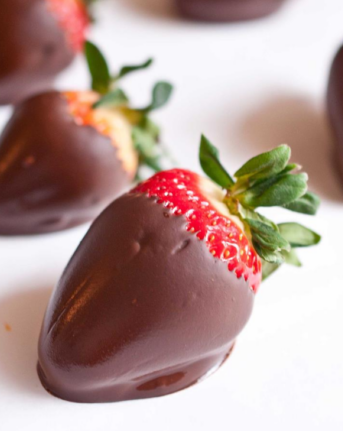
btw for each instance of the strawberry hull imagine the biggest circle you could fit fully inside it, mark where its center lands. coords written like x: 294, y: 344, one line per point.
x: 142, y: 310
x: 54, y: 174
x: 33, y: 49
x: 335, y: 105
x: 227, y: 10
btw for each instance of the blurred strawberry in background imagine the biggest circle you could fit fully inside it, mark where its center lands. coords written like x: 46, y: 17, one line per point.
x: 227, y: 10
x: 64, y: 156
x: 38, y: 39
x: 335, y: 105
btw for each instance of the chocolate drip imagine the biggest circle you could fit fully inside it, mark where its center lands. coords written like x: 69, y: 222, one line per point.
x: 142, y: 309
x: 54, y: 174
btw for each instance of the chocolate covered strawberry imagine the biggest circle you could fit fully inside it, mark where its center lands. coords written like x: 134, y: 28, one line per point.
x: 64, y: 156
x: 227, y: 10
x: 335, y: 105
x: 38, y: 39
x: 156, y: 294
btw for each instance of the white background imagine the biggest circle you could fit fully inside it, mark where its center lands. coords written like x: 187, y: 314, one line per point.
x: 248, y: 87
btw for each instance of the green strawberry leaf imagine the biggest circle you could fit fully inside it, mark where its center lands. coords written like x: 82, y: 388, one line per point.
x: 112, y: 99
x: 102, y: 81
x: 146, y: 133
x: 126, y: 70
x: 306, y: 204
x: 291, y: 258
x: 144, y: 142
x: 265, y: 165
x: 267, y: 237
x: 101, y: 78
x: 209, y: 161
x: 145, y: 137
x: 289, y: 168
x: 298, y: 235
x: 246, y: 213
x: 276, y: 191
x: 149, y: 126
x: 161, y: 94
x: 268, y: 255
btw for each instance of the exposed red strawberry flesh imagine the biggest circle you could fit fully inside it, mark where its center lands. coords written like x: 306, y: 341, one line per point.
x: 73, y: 18
x: 107, y: 122
x: 180, y: 190
x: 80, y: 105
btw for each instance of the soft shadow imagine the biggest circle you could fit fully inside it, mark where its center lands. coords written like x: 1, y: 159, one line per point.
x: 304, y: 126
x: 21, y: 316
x: 164, y: 9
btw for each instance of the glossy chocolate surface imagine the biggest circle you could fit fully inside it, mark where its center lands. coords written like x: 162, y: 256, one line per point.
x: 227, y: 10
x: 142, y: 309
x: 54, y: 174
x: 335, y: 105
x: 33, y: 49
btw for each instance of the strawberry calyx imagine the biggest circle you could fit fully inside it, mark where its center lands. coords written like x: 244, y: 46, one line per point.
x: 73, y: 17
x: 267, y: 180
x: 145, y: 133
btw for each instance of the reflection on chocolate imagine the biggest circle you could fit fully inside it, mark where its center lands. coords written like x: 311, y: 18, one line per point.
x: 227, y: 10
x: 335, y: 105
x: 54, y: 174
x: 33, y: 49
x: 142, y: 310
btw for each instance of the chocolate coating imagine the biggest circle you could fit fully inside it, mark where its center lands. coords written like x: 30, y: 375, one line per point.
x: 54, y: 174
x: 227, y: 10
x: 142, y: 310
x: 33, y: 49
x: 335, y: 105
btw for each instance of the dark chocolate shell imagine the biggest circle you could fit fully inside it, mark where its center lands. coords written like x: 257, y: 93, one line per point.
x: 33, y: 49
x: 142, y: 309
x: 227, y: 10
x: 335, y: 105
x: 54, y: 174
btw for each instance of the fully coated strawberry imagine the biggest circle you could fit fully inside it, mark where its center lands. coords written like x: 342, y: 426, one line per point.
x: 156, y: 294
x: 38, y: 39
x: 64, y: 156
x: 227, y: 10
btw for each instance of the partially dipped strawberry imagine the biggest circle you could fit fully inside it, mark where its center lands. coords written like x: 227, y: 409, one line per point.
x: 227, y: 10
x: 156, y: 294
x: 64, y: 156
x: 335, y: 105
x: 39, y: 38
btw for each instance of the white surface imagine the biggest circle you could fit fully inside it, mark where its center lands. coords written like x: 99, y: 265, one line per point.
x: 248, y: 87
